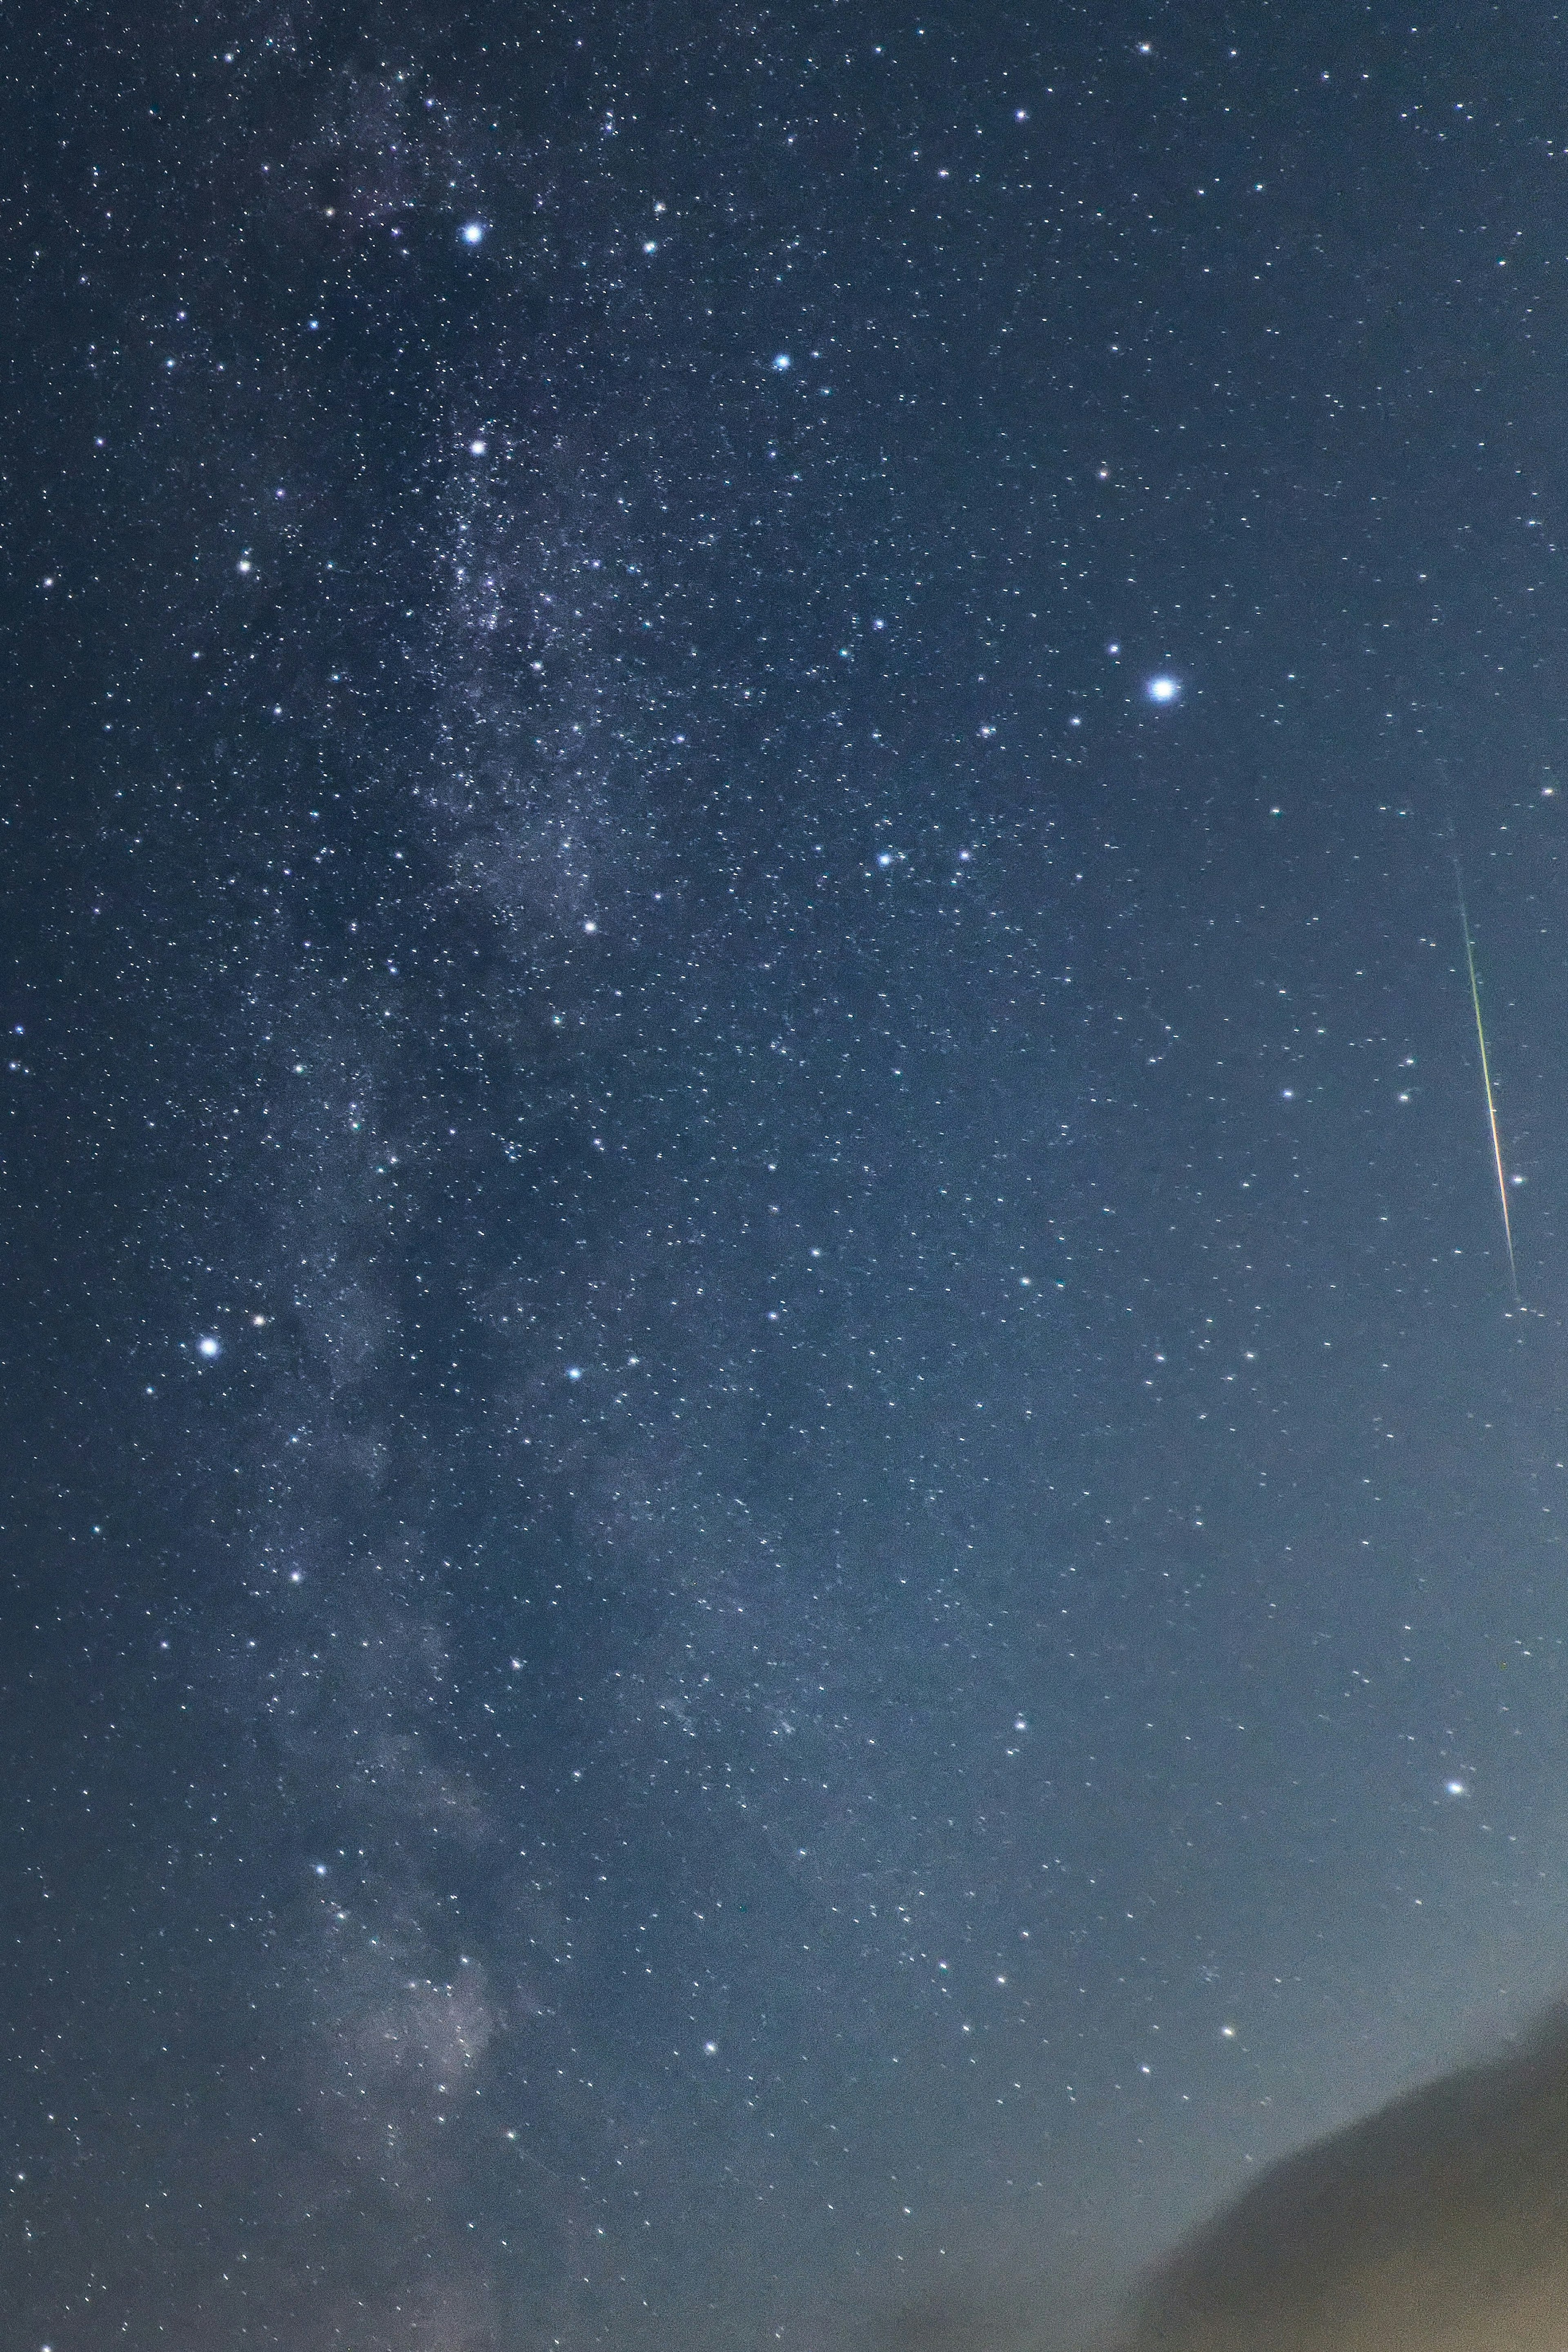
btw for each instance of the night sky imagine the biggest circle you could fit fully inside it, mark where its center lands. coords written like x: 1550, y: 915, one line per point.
x: 779, y: 1551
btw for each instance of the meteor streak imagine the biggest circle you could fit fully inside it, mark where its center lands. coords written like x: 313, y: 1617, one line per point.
x: 1486, y: 1082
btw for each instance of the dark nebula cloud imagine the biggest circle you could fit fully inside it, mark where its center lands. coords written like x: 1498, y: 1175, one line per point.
x: 1441, y: 2220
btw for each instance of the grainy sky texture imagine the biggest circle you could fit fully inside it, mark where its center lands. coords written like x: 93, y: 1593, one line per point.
x: 778, y: 1551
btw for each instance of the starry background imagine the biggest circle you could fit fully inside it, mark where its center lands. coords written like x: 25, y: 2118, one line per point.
x: 777, y: 1551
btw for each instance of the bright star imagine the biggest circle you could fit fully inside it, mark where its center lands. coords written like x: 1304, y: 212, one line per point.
x: 1163, y: 690
x: 209, y: 1345
x: 472, y: 232
x: 783, y: 362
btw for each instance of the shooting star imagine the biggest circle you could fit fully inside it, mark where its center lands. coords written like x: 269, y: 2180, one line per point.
x: 1486, y: 1082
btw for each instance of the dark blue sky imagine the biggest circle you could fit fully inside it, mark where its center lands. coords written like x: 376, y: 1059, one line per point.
x: 777, y: 1551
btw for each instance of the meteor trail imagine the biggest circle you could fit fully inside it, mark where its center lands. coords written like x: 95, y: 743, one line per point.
x: 1486, y: 1082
